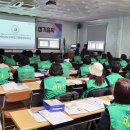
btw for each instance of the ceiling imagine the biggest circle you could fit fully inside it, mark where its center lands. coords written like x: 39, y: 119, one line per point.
x: 68, y: 10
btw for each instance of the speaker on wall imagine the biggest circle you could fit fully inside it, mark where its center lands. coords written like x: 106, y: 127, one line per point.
x: 79, y: 25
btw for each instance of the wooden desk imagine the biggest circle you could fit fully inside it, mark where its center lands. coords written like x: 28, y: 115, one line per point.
x: 32, y: 85
x: 24, y: 121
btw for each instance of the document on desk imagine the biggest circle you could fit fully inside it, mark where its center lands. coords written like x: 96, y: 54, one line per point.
x: 97, y: 102
x: 38, y: 117
x: 55, y: 117
x: 74, y: 81
x: 37, y: 74
x: 10, y: 86
x: 72, y: 109
x: 39, y: 82
x: 22, y: 86
x: 15, y: 67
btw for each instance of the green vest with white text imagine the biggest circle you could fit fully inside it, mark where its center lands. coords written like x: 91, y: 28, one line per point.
x: 25, y: 72
x: 53, y: 86
x: 44, y: 64
x: 4, y: 75
x: 84, y: 70
x: 77, y: 58
x: 112, y: 78
x: 65, y: 69
x: 119, y: 116
x: 91, y: 85
x: 68, y: 64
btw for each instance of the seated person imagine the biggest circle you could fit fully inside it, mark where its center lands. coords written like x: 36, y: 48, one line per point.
x: 93, y: 57
x: 65, y: 68
x: 55, y: 84
x: 104, y: 60
x: 4, y: 72
x: 99, y: 56
x: 116, y: 115
x: 9, y: 61
x: 45, y: 62
x: 96, y: 79
x: 30, y: 56
x: 123, y: 61
x: 84, y: 69
x: 77, y: 57
x: 67, y: 61
x: 84, y: 52
x: 114, y: 75
x: 37, y: 56
x: 25, y: 71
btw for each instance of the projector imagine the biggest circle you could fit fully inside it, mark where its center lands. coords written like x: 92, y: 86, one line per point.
x: 51, y: 2
x: 17, y: 4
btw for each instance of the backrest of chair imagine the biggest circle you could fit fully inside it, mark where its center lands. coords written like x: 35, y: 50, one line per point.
x: 64, y: 97
x: 18, y: 96
x: 30, y: 80
x: 69, y: 96
x: 100, y: 92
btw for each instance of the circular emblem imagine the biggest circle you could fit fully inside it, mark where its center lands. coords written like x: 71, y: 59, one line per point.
x: 15, y: 29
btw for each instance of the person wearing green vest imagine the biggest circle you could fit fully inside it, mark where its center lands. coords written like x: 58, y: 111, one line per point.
x: 37, y: 55
x: 96, y: 79
x: 117, y: 115
x: 77, y: 58
x: 123, y: 61
x: 114, y: 75
x: 45, y: 63
x: 93, y: 57
x: 104, y: 60
x: 25, y: 71
x: 99, y: 56
x: 84, y: 69
x: 4, y: 71
x: 9, y: 61
x: 55, y: 84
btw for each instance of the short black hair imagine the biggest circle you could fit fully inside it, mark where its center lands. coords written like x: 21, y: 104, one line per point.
x: 59, y: 60
x: 66, y: 56
x: 24, y: 52
x: 2, y: 51
x: 38, y: 52
x: 24, y: 60
x: 115, y: 67
x: 123, y: 57
x: 44, y: 57
x: 87, y: 60
x: 104, y: 56
x: 56, y: 69
x: 1, y: 59
x: 78, y: 44
x: 29, y: 54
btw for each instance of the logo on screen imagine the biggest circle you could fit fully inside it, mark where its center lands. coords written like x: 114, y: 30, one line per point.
x: 15, y: 29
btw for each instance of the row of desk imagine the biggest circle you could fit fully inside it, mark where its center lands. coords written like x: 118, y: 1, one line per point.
x: 24, y: 121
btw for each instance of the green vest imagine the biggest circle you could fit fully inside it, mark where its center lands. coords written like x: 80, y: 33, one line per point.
x: 25, y: 72
x: 99, y: 57
x: 119, y: 116
x: 91, y: 85
x: 112, y: 78
x: 127, y: 75
x: 34, y: 59
x: 84, y: 70
x: 53, y: 86
x: 4, y: 75
x: 123, y: 63
x: 44, y: 64
x: 93, y: 60
x: 9, y: 61
x: 102, y: 61
x: 77, y: 58
x: 37, y: 58
x: 65, y: 69
x: 68, y: 64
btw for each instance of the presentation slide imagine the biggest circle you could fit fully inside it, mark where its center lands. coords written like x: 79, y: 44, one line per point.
x: 96, y: 45
x: 17, y: 34
x: 48, y: 43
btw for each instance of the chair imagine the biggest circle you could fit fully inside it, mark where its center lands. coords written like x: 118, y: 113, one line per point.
x: 68, y: 96
x: 30, y: 80
x: 14, y: 101
x: 99, y: 92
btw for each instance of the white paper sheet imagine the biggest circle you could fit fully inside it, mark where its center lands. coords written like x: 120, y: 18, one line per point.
x: 22, y: 86
x: 10, y: 86
x: 39, y: 82
x: 37, y: 74
x: 55, y: 117
x: 74, y: 81
x: 37, y: 116
x: 15, y: 67
x: 72, y: 109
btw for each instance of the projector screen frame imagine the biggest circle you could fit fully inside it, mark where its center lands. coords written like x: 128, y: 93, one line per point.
x: 97, y: 49
x: 48, y: 47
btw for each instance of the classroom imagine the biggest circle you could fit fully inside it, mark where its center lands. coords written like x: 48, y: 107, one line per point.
x: 64, y: 65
